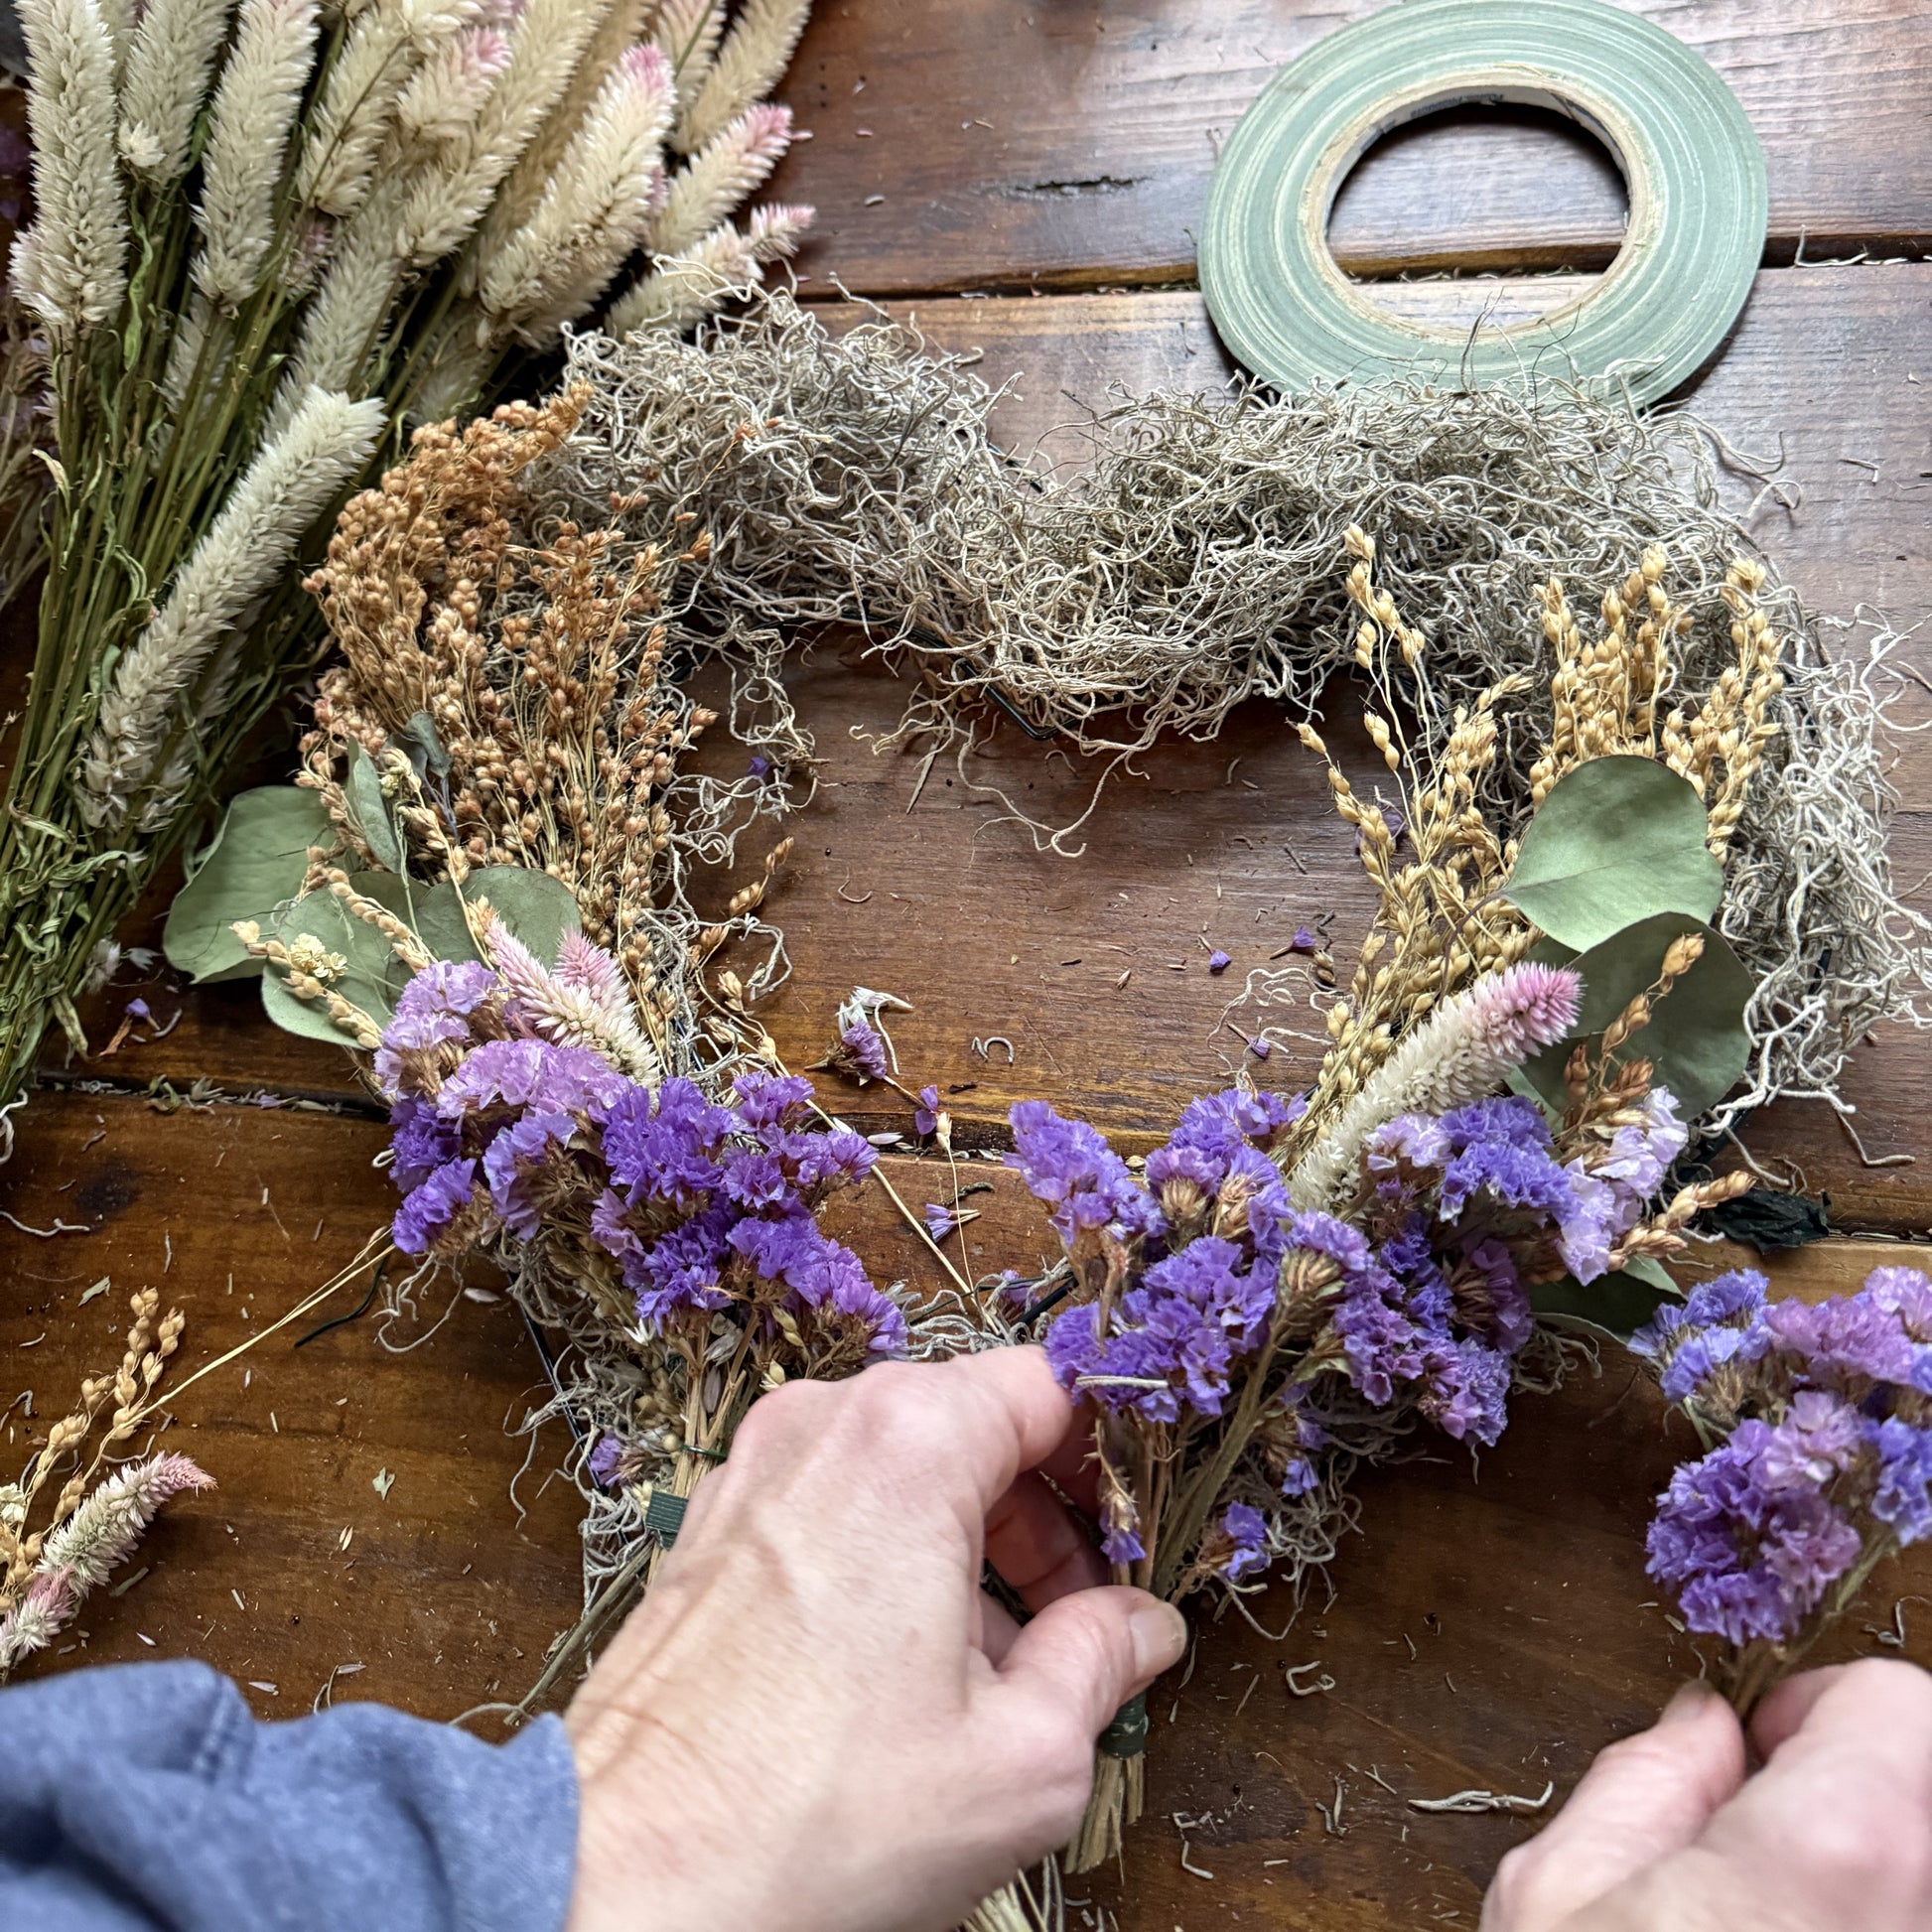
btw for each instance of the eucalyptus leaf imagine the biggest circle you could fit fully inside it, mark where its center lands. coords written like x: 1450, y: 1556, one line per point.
x: 256, y: 862
x: 537, y: 909
x: 424, y: 747
x: 1696, y: 1041
x: 363, y: 790
x: 372, y: 977
x: 1617, y: 841
x: 1618, y: 1304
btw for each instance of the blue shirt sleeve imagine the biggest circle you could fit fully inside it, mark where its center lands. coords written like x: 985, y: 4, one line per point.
x: 145, y: 1796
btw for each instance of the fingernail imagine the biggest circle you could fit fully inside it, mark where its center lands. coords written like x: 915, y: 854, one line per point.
x: 1160, y: 1635
x: 1690, y: 1703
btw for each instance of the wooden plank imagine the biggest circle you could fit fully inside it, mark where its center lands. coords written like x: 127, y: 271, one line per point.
x: 445, y: 1593
x: 1523, y: 1593
x: 979, y: 144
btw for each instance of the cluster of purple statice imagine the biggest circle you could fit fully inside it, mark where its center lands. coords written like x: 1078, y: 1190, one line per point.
x: 511, y: 1131
x: 1824, y: 1464
x: 1204, y: 1302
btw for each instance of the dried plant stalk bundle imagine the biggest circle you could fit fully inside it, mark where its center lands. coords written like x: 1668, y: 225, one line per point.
x: 268, y: 235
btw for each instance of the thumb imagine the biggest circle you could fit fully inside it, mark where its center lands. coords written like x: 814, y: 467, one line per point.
x: 1089, y: 1652
x: 1643, y: 1799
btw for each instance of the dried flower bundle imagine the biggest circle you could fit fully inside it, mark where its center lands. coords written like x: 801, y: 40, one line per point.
x: 1294, y: 1284
x: 1816, y: 1421
x: 1190, y: 567
x: 53, y: 1553
x: 268, y: 234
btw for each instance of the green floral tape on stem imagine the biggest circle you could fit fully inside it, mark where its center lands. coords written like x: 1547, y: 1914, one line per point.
x: 1689, y: 158
x: 1126, y: 1737
x: 664, y: 1514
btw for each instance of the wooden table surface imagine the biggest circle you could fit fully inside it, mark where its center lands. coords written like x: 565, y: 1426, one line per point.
x: 1028, y: 179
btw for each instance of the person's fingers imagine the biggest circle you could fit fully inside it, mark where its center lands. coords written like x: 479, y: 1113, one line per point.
x: 1033, y: 1542
x: 1841, y: 1807
x: 955, y: 1433
x: 1073, y: 1467
x: 1786, y: 1706
x: 1643, y: 1799
x: 997, y: 1628
x: 1083, y: 1656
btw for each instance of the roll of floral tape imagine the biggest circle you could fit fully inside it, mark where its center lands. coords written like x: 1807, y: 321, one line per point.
x: 1689, y: 157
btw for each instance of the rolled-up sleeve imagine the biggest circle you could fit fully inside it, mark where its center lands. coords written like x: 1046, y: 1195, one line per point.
x: 148, y: 1795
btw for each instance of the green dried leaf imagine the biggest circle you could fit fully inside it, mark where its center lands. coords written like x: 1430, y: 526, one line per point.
x: 1615, y: 1304
x: 1617, y: 841
x: 537, y: 909
x: 374, y: 976
x: 363, y: 790
x: 255, y: 864
x: 1696, y: 1040
x: 424, y: 747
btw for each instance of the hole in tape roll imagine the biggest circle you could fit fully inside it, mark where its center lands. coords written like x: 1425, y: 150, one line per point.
x: 1496, y: 210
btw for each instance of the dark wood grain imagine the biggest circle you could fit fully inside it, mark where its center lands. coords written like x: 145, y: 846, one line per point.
x: 1519, y: 1582
x: 1069, y: 143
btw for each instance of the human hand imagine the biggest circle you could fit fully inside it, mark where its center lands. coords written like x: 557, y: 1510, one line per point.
x: 817, y: 1720
x: 1666, y: 1831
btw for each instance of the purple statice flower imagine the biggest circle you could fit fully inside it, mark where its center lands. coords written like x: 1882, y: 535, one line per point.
x: 1718, y: 1322
x: 1906, y: 1293
x: 1247, y: 1530
x: 1261, y: 1048
x: 1641, y: 1155
x: 1380, y: 1342
x: 1120, y: 1530
x: 449, y: 986
x: 512, y: 1155
x: 1415, y: 1140
x: 1218, y: 961
x: 1748, y: 1538
x: 429, y: 1208
x: 1300, y: 1474
x: 420, y: 1139
x: 682, y: 1269
x: 1500, y: 1148
x: 665, y: 1147
x: 775, y: 1249
x: 1090, y: 1187
x: 769, y: 1103
x: 533, y: 1073
x: 1903, y: 1497
x: 1303, y: 942
x: 759, y: 767
x: 754, y: 1178
x: 864, y: 1050
x: 1848, y: 1339
x: 1175, y: 1335
x: 829, y: 1276
x: 603, y: 1460
x: 827, y: 1160
x: 418, y: 1032
x: 925, y: 1116
x: 939, y: 1220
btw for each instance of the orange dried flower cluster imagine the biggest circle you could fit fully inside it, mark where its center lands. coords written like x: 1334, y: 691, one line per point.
x: 510, y: 694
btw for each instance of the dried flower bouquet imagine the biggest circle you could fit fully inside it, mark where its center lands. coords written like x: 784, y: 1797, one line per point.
x: 483, y: 882
x: 52, y: 1554
x: 1816, y: 1422
x: 269, y: 232
x: 1291, y: 1285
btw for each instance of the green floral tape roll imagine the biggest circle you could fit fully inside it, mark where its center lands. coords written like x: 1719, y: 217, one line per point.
x: 1688, y: 154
